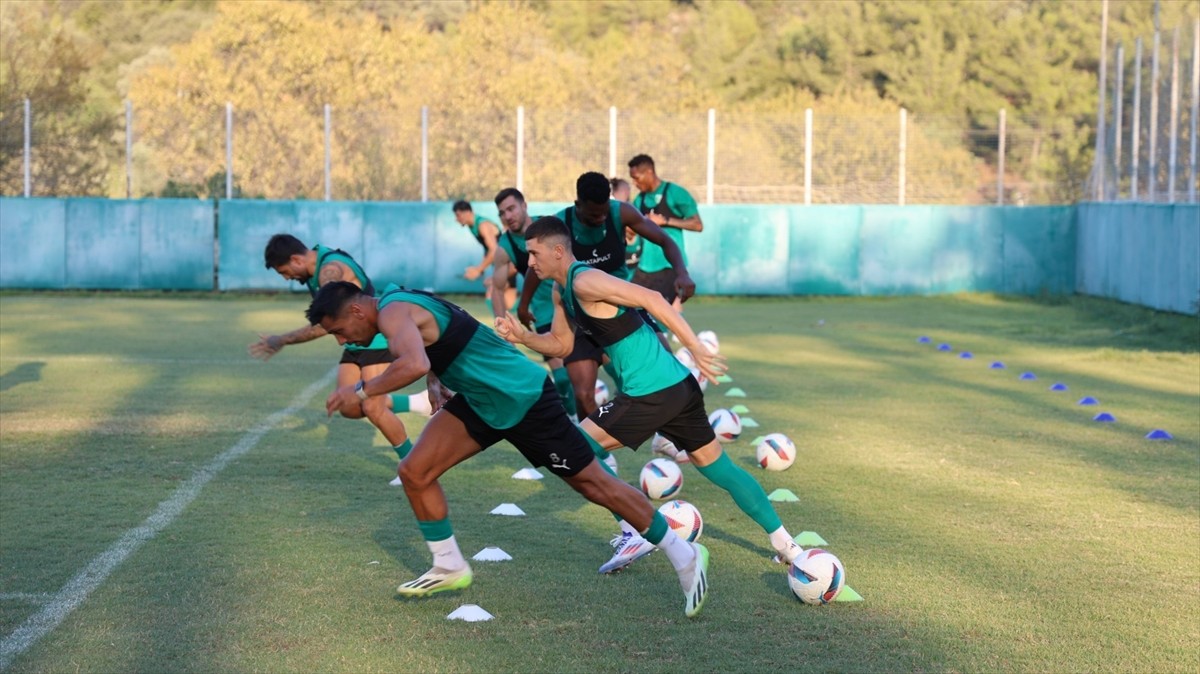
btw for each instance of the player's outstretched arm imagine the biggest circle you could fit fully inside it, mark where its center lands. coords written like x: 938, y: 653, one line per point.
x: 269, y: 345
x: 500, y: 272
x: 490, y: 233
x: 396, y: 322
x: 558, y: 343
x: 632, y: 218
x: 532, y: 281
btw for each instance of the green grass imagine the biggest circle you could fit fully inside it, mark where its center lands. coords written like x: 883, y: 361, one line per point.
x: 989, y: 523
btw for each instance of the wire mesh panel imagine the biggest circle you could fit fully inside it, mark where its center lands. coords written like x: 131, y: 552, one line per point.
x: 759, y: 158
x: 677, y: 141
x: 376, y: 155
x: 559, y: 146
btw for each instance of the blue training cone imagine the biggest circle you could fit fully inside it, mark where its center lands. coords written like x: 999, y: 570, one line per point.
x: 966, y: 354
x: 944, y: 347
x: 1104, y: 416
x: 1158, y: 434
x: 1028, y: 376
x: 997, y: 365
x: 923, y: 340
x: 1059, y: 386
x: 1088, y: 400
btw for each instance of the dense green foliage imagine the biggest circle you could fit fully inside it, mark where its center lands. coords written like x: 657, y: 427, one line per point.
x: 953, y: 64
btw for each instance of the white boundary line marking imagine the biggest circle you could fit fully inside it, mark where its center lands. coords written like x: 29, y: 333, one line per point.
x: 67, y: 599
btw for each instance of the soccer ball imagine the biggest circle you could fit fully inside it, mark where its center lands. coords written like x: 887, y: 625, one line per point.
x: 664, y: 447
x: 601, y: 393
x: 725, y: 424
x: 776, y: 452
x: 696, y: 375
x: 684, y: 519
x: 684, y: 356
x: 709, y: 339
x: 661, y: 479
x: 816, y: 577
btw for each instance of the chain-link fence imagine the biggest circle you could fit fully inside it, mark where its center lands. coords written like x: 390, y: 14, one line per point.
x: 1147, y: 149
x: 434, y: 153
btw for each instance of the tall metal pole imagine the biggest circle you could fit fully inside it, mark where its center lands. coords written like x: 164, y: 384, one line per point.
x: 1135, y: 130
x: 128, y: 149
x: 1173, y: 152
x: 228, y: 150
x: 903, y: 153
x: 520, y: 148
x: 1152, y: 173
x: 612, y: 141
x: 328, y: 160
x: 808, y: 156
x: 424, y: 153
x: 1100, y: 125
x: 27, y: 156
x: 1118, y: 101
x: 1000, y: 161
x: 710, y: 174
x: 1192, y: 171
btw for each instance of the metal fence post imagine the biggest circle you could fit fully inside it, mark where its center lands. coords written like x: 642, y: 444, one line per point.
x: 1152, y: 173
x: 1192, y: 175
x: 1135, y: 137
x: 228, y: 150
x: 328, y: 161
x: 1173, y: 143
x: 903, y: 152
x: 128, y: 149
x: 27, y: 154
x: 424, y: 153
x: 1118, y: 100
x: 520, y: 148
x: 1000, y: 161
x: 1100, y: 126
x: 612, y: 141
x: 710, y: 173
x: 808, y: 156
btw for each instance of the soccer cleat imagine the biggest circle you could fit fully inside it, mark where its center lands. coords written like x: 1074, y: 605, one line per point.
x: 629, y: 549
x: 612, y: 463
x: 695, y: 587
x: 436, y: 580
x: 396, y: 480
x: 789, y: 555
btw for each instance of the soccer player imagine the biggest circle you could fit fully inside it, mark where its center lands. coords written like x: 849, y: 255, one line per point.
x: 512, y: 259
x: 657, y: 391
x: 633, y: 243
x: 315, y: 267
x: 596, y: 224
x: 486, y: 233
x: 671, y: 207
x: 501, y: 395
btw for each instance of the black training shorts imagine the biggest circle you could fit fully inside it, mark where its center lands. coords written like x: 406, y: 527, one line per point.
x: 677, y: 412
x: 545, y: 436
x: 585, y: 349
x: 365, y: 357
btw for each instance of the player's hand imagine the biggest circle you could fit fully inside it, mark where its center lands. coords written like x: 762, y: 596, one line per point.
x: 265, y: 347
x: 472, y: 273
x: 342, y: 399
x: 657, y: 218
x: 510, y: 328
x: 439, y: 395
x: 685, y: 287
x: 630, y: 235
x: 525, y: 315
x: 711, y: 365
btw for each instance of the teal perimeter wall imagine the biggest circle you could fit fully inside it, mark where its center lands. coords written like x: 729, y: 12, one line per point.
x: 1147, y: 254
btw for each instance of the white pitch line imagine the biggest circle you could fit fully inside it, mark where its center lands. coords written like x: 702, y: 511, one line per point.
x: 66, y: 600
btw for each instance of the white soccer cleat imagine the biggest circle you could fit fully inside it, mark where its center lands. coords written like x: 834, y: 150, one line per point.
x: 694, y: 580
x: 396, y: 482
x: 664, y: 447
x: 436, y: 580
x: 789, y: 555
x: 611, y: 460
x: 630, y: 548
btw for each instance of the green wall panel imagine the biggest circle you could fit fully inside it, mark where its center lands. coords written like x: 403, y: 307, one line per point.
x: 33, y: 243
x: 823, y: 245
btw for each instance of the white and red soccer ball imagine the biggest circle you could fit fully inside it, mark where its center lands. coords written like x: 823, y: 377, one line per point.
x: 816, y: 577
x: 775, y: 452
x: 725, y: 424
x: 661, y: 479
x: 683, y: 518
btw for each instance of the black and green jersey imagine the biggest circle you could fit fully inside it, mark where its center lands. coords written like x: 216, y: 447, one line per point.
x: 498, y: 382
x: 601, y: 247
x: 477, y: 230
x: 668, y: 199
x: 643, y: 366
x: 542, y: 304
x: 325, y: 255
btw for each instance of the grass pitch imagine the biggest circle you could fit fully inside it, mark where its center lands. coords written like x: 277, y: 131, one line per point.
x: 989, y: 523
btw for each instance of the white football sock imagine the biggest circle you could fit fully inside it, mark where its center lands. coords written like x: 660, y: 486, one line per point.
x: 419, y: 403
x: 446, y: 554
x: 679, y: 551
x: 628, y: 528
x: 780, y: 539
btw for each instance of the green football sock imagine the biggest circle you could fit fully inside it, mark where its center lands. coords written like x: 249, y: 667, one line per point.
x: 658, y: 529
x: 403, y: 449
x: 562, y: 383
x: 438, y: 530
x: 400, y: 403
x: 747, y: 493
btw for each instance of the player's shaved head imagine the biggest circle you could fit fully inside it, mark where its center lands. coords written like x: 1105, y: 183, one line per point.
x: 549, y: 231
x: 331, y: 300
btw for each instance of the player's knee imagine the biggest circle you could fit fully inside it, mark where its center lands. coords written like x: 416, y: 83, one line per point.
x: 415, y: 478
x: 352, y: 412
x: 375, y: 407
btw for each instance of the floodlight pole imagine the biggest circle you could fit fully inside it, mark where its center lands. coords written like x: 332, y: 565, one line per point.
x: 128, y: 149
x: 1135, y: 127
x: 1000, y: 160
x: 520, y: 148
x: 27, y: 154
x: 808, y: 153
x: 612, y: 141
x: 903, y: 153
x: 228, y: 150
x: 710, y: 173
x: 328, y: 161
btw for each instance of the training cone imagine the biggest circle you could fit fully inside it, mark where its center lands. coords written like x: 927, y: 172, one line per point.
x: 1028, y: 376
x: 848, y: 594
x: 510, y: 509
x: 492, y: 554
x: 735, y: 392
x: 1158, y: 434
x: 473, y: 614
x: 944, y: 347
x: 739, y: 409
x: 1088, y: 400
x: 782, y: 495
x: 923, y: 340
x: 747, y: 422
x: 528, y: 474
x: 1059, y: 386
x: 757, y: 439
x: 1104, y: 416
x: 966, y: 355
x: 997, y: 365
x: 725, y: 379
x: 810, y: 539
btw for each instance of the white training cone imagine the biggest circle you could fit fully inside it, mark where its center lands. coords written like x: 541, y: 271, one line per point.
x: 492, y: 554
x: 508, y: 509
x: 470, y: 613
x: 528, y: 474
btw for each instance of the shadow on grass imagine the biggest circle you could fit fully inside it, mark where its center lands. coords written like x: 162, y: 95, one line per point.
x: 24, y: 373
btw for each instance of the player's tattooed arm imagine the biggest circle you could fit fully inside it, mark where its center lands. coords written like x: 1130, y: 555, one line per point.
x: 269, y: 345
x: 336, y: 271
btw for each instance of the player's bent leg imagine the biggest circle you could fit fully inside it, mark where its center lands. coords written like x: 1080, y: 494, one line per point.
x: 583, y: 381
x: 349, y: 374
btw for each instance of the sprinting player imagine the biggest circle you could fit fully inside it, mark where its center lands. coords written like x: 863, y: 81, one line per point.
x: 596, y: 224
x: 633, y: 243
x: 671, y: 207
x: 657, y: 391
x: 501, y: 395
x: 512, y: 259
x: 486, y: 233
x: 315, y: 267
